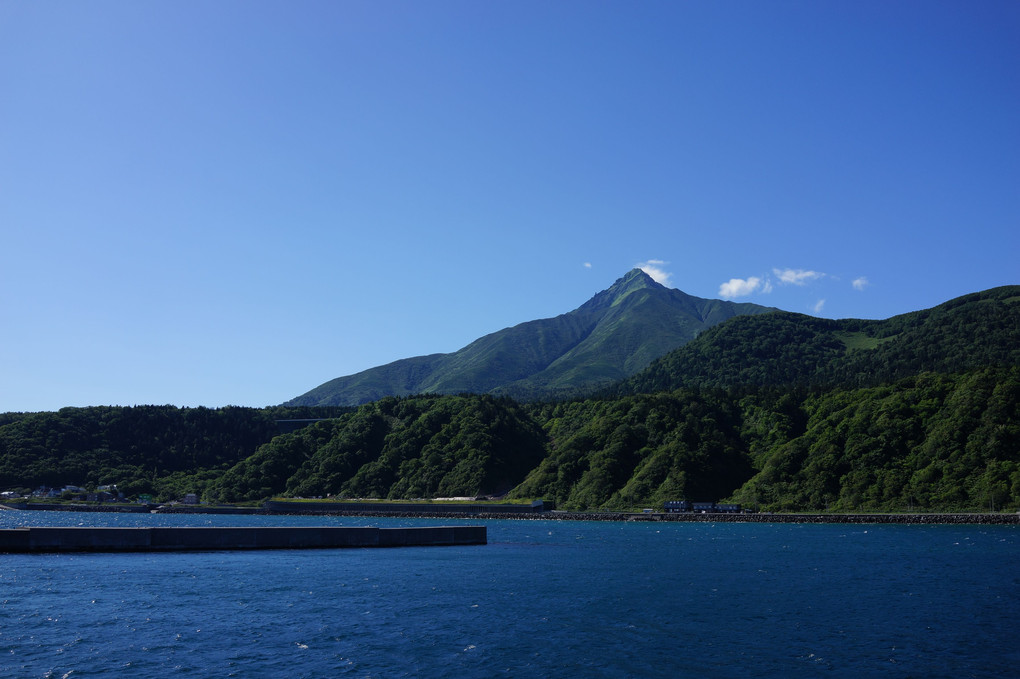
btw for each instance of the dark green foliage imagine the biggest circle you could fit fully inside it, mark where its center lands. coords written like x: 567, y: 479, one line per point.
x: 928, y: 442
x: 418, y: 447
x: 613, y: 335
x: 142, y: 449
x: 792, y: 350
x: 266, y: 472
x: 643, y: 449
x: 774, y: 349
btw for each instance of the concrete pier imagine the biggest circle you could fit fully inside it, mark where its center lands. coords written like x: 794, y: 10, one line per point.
x: 185, y: 539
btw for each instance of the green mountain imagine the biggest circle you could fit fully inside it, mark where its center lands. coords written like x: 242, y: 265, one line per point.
x: 787, y: 350
x: 611, y: 336
x: 778, y: 410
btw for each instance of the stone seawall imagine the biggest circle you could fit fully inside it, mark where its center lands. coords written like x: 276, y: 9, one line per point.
x: 169, y: 539
x: 986, y: 519
x: 324, y: 509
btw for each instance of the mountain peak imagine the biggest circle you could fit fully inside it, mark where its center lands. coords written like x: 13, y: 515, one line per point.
x: 641, y: 277
x: 611, y: 336
x: 632, y: 281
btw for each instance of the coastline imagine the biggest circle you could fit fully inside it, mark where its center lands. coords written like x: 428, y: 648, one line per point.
x: 949, y: 518
x: 929, y: 519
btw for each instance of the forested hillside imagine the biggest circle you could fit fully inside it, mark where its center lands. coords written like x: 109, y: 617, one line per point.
x: 425, y: 446
x: 778, y: 411
x: 162, y: 450
x: 929, y: 442
x: 637, y: 450
x: 793, y: 350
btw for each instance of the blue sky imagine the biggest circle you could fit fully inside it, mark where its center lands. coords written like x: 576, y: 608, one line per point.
x: 233, y: 202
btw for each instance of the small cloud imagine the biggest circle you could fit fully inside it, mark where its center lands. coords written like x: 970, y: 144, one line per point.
x: 766, y: 287
x: 739, y: 287
x: 860, y: 283
x: 796, y: 276
x: 654, y: 268
x: 819, y: 305
x: 587, y: 265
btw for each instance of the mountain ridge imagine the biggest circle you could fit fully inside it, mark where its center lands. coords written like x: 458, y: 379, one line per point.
x: 787, y: 349
x: 617, y: 332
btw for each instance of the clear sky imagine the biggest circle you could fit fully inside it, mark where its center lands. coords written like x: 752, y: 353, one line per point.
x: 231, y: 202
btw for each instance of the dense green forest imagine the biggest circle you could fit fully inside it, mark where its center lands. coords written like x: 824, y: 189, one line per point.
x: 780, y: 411
x: 427, y: 446
x: 930, y: 441
x: 792, y: 350
x: 160, y: 450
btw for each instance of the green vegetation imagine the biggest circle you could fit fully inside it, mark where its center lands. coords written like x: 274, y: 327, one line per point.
x: 792, y: 350
x: 420, y: 447
x: 613, y: 335
x: 637, y: 450
x: 928, y: 442
x: 779, y: 411
x: 160, y: 450
x: 860, y: 340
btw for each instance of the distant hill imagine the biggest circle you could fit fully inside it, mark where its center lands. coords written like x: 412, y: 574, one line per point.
x: 786, y: 349
x: 610, y: 337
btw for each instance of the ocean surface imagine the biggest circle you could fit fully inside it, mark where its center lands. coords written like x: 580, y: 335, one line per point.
x: 542, y: 599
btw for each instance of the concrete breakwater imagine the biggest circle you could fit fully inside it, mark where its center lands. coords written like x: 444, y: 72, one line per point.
x: 182, y: 539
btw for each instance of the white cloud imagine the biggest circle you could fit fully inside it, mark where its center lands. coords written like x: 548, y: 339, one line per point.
x: 739, y: 287
x: 654, y: 268
x: 587, y: 265
x: 796, y: 276
x: 860, y: 283
x: 819, y: 305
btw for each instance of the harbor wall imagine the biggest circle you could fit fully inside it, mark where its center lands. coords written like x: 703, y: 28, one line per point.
x: 171, y: 539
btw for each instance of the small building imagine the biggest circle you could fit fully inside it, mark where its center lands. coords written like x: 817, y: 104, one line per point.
x: 677, y: 506
x: 191, y: 499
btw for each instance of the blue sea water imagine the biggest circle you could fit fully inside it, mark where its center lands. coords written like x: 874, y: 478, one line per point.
x: 542, y: 599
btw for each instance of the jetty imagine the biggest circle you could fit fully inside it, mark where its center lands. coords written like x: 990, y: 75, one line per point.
x: 226, y: 538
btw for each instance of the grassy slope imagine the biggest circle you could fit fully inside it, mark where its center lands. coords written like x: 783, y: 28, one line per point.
x: 613, y: 335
